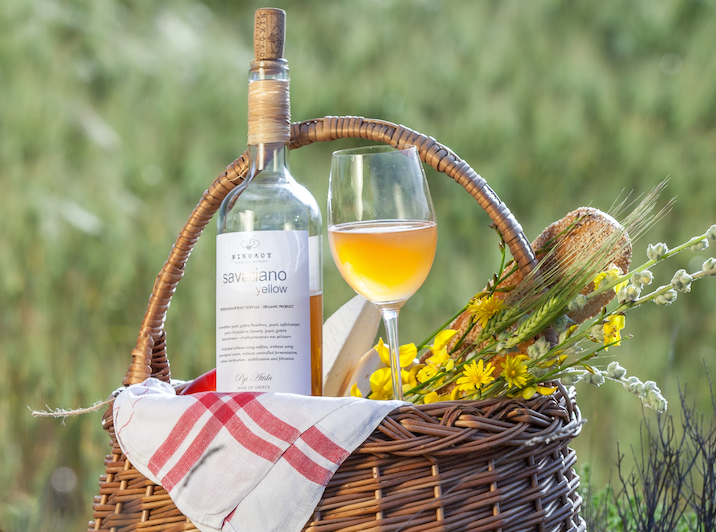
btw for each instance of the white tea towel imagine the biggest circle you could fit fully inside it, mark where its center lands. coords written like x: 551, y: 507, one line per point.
x: 242, y: 461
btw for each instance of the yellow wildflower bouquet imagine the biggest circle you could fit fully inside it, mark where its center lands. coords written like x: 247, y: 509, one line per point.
x: 524, y: 332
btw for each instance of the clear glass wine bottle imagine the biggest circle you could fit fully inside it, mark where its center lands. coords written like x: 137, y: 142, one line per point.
x: 269, y: 248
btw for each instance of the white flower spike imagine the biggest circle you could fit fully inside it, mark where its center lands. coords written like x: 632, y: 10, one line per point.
x: 666, y: 299
x: 615, y: 371
x: 700, y: 245
x: 642, y: 279
x: 595, y: 379
x: 681, y: 281
x: 711, y: 233
x: 709, y: 266
x: 656, y: 251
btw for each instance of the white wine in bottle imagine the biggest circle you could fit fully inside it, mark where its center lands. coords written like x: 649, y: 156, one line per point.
x: 269, y: 303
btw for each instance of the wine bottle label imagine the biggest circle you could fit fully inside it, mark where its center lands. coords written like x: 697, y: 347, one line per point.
x: 262, y: 312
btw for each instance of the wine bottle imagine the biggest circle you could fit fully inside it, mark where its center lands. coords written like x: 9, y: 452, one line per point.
x: 269, y: 303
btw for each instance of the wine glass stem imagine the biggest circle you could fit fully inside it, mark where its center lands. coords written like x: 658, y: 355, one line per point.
x: 390, y: 319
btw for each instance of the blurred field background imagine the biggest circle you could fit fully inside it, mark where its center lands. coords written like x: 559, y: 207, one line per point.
x: 115, y: 115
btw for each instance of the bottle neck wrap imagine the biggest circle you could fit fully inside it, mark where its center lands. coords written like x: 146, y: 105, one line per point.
x: 269, y: 112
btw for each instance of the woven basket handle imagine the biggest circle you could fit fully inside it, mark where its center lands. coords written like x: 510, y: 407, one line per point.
x: 149, y: 356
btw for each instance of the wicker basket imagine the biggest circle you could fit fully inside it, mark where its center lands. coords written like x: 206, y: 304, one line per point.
x: 492, y: 465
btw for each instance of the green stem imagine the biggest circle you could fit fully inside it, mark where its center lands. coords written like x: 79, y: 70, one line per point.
x: 497, y: 279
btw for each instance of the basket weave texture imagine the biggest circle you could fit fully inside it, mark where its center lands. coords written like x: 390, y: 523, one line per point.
x: 493, y: 465
x: 461, y: 465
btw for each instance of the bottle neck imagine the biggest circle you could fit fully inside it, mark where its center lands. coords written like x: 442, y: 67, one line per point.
x: 270, y: 158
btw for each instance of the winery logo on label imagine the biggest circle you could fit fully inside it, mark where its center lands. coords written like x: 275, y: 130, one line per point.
x: 254, y: 257
x: 250, y: 244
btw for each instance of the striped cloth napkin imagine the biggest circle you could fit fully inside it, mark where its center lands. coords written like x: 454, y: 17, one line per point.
x: 241, y: 461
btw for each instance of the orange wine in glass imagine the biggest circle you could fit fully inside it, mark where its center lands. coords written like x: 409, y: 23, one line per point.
x: 382, y: 231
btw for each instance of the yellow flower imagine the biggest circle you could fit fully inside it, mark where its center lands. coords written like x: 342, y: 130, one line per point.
x: 476, y: 375
x: 514, y: 370
x: 436, y: 364
x: 528, y: 393
x: 407, y: 353
x: 381, y: 384
x: 607, y: 277
x: 484, y: 308
x: 440, y: 360
x: 545, y: 390
x: 611, y: 329
x: 414, y: 372
x: 408, y: 379
x: 427, y: 372
x: 355, y: 391
x: 432, y: 397
x: 620, y: 286
x: 441, y: 340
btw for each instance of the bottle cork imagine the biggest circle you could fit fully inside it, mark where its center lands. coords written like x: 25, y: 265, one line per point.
x: 269, y: 33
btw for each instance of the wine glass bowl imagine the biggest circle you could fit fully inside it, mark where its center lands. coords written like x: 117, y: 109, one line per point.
x: 382, y: 230
x: 386, y: 261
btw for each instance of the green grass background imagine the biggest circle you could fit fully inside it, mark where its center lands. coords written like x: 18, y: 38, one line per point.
x: 115, y: 115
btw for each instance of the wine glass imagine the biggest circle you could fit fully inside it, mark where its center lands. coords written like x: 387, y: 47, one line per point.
x: 382, y: 231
